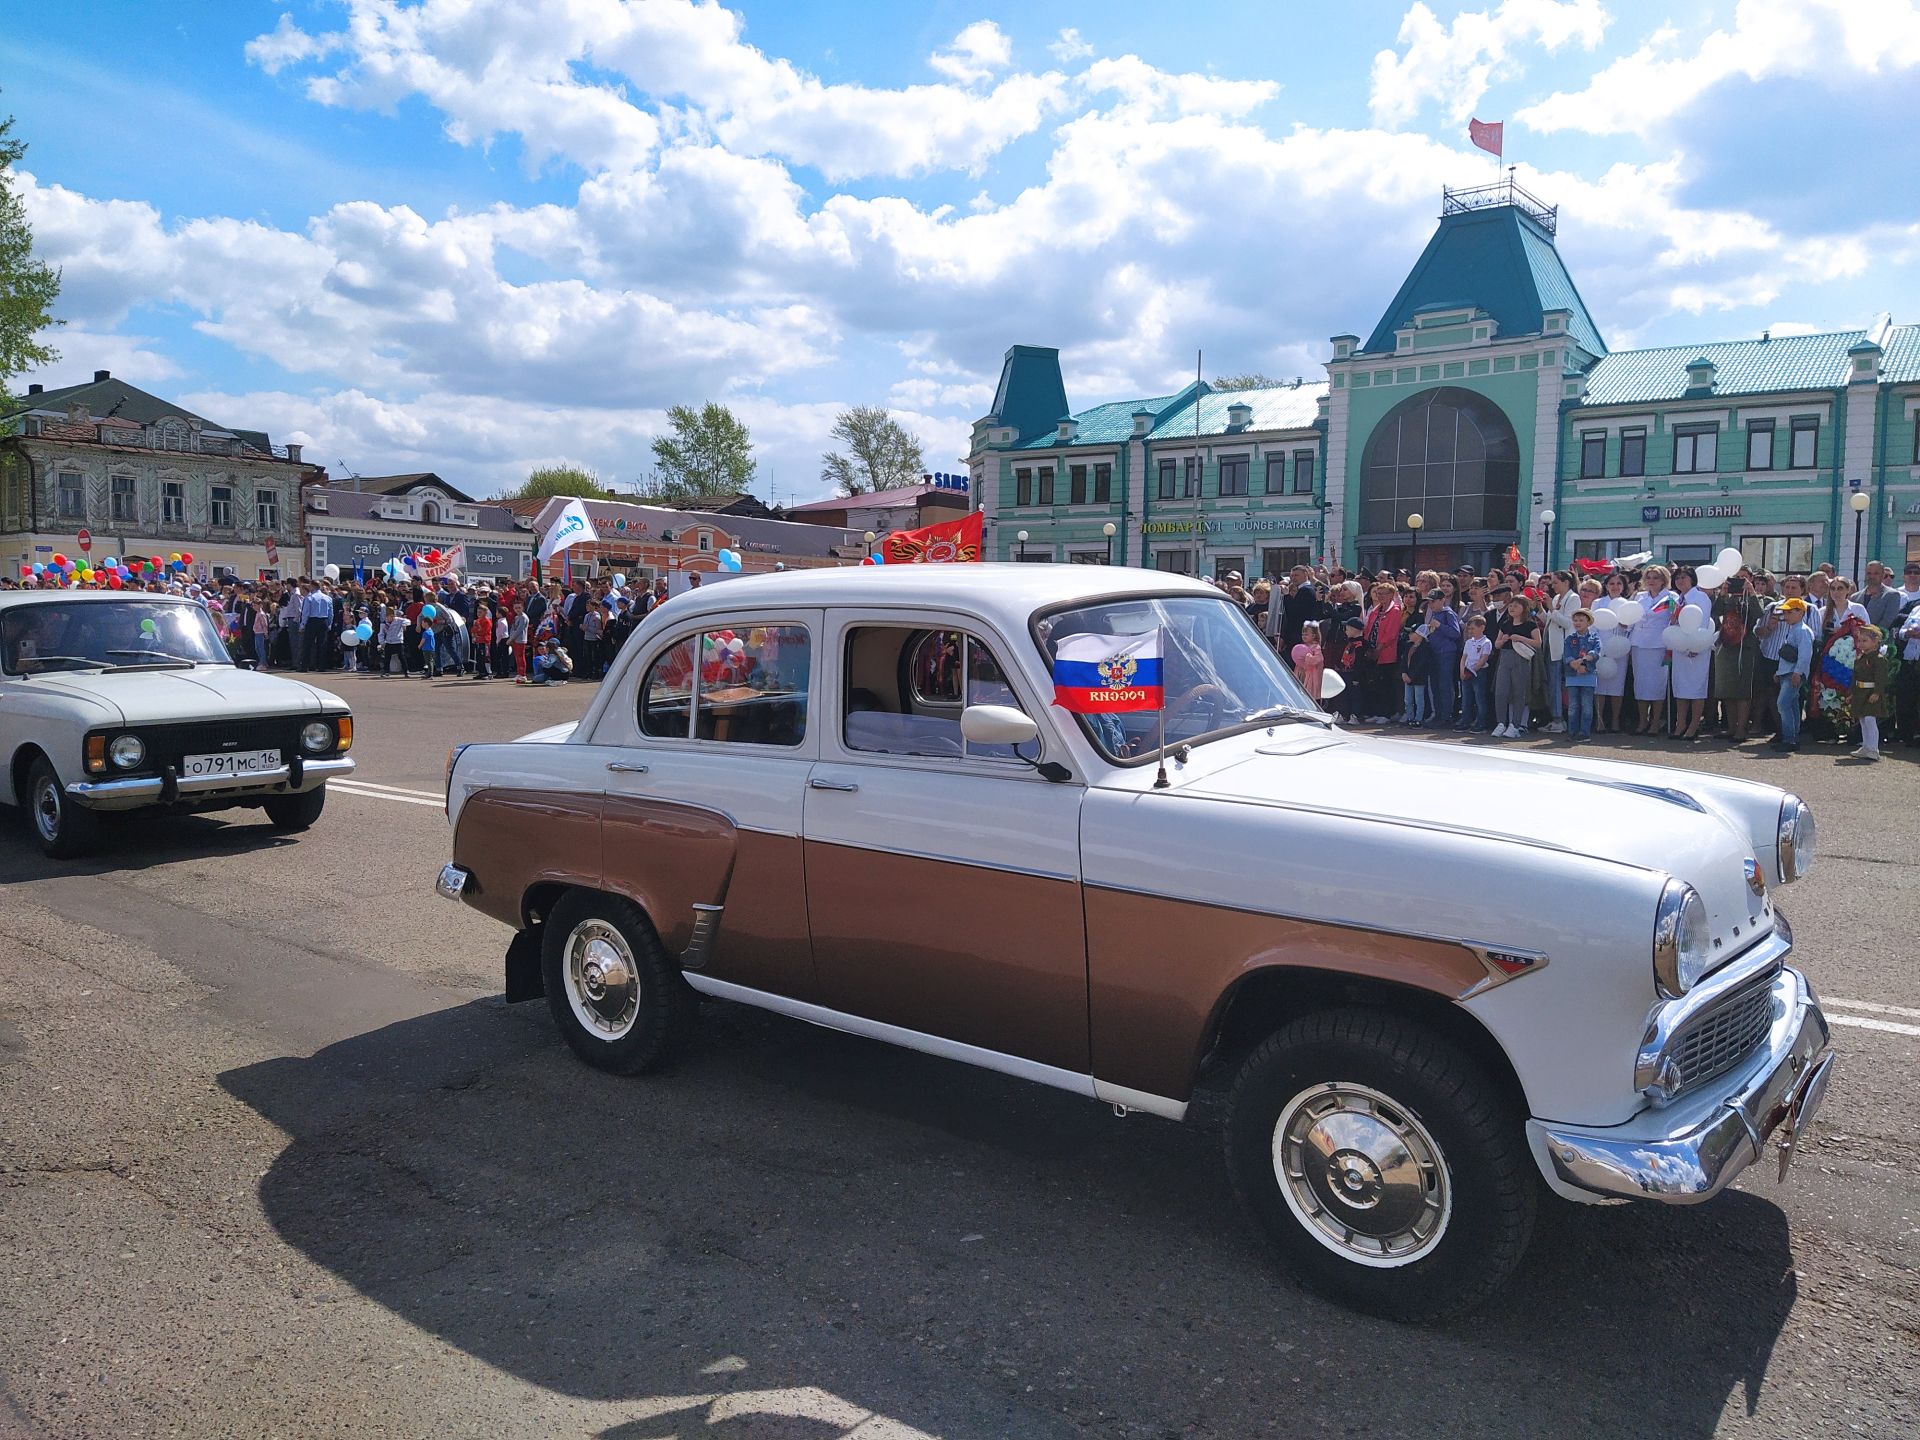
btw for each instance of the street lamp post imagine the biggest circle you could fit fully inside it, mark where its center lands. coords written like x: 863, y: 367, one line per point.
x: 1547, y: 517
x: 1108, y: 530
x: 1859, y: 501
x: 1415, y: 522
x: 1021, y: 536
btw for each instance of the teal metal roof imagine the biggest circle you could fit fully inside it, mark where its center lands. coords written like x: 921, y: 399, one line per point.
x: 1901, y: 363
x: 1499, y: 259
x: 1031, y: 396
x: 1285, y: 407
x: 1741, y: 367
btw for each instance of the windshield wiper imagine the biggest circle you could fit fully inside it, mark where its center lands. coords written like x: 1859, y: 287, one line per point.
x: 154, y: 657
x: 1287, y: 712
x: 163, y: 662
x: 84, y: 661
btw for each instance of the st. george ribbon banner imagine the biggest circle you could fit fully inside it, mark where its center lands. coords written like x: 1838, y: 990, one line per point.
x: 950, y: 542
x: 1108, y: 674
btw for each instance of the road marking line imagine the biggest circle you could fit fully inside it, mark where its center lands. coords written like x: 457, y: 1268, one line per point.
x: 1891, y: 1026
x: 352, y: 789
x: 433, y: 795
x: 1872, y: 1007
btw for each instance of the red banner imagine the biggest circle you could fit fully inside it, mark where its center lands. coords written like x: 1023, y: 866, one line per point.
x: 1487, y: 134
x: 951, y: 542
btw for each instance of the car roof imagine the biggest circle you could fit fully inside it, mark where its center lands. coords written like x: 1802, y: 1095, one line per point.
x: 1007, y: 592
x: 10, y: 598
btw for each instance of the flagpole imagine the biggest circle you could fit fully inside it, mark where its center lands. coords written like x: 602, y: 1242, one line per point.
x: 1160, y: 781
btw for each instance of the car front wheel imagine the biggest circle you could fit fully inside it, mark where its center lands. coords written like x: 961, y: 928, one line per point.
x: 1386, y: 1166
x: 296, y: 812
x: 63, y: 828
x: 615, y: 993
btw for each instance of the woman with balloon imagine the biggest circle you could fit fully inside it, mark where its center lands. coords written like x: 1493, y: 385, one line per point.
x: 1736, y: 658
x: 1689, y: 641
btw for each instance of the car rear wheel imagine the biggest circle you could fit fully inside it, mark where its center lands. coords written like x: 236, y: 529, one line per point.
x: 296, y: 812
x: 1387, y: 1167
x: 615, y: 993
x: 63, y: 828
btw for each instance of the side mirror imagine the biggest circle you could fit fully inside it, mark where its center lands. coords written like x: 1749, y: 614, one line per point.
x: 997, y: 725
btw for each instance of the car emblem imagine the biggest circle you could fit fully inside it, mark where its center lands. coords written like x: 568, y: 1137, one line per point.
x: 1756, y: 882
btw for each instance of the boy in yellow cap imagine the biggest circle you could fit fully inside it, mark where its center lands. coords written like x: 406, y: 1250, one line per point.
x: 1796, y: 661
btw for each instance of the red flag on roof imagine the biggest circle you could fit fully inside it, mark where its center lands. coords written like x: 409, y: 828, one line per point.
x: 951, y: 541
x: 1486, y: 134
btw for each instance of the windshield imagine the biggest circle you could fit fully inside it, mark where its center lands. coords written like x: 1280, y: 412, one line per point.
x: 1217, y: 671
x: 106, y: 634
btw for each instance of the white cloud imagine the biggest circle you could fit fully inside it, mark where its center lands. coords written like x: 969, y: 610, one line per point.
x: 287, y: 44
x: 1768, y: 38
x: 1453, y: 65
x: 1070, y: 47
x: 975, y: 54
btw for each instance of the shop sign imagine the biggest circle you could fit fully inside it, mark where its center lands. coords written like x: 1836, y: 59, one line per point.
x: 1651, y: 513
x: 374, y: 551
x: 1914, y: 508
x: 1231, y: 524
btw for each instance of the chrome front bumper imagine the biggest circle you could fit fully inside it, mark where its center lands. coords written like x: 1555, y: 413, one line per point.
x: 452, y: 882
x: 1692, y: 1149
x: 165, y: 789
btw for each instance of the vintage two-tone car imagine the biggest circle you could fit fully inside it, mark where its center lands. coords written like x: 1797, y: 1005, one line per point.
x: 1441, y: 979
x: 130, y: 701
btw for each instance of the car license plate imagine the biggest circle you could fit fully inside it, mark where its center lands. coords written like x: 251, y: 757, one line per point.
x: 237, y: 763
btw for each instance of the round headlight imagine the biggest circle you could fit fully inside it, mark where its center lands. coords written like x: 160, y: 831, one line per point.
x: 1682, y: 946
x: 126, y: 751
x: 1798, y: 837
x: 316, y: 736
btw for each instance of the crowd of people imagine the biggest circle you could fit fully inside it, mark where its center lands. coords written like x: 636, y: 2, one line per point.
x: 1627, y: 648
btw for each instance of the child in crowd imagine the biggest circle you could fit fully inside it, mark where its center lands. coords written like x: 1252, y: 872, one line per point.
x: 1867, y: 696
x: 517, y: 642
x: 429, y: 651
x: 1475, y: 709
x: 1580, y: 664
x: 1795, y: 663
x: 1346, y: 663
x: 482, y: 632
x: 1309, y: 661
x: 393, y: 642
x: 1416, y: 665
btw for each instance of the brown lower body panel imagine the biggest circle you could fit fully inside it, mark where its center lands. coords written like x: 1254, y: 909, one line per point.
x: 1159, y: 968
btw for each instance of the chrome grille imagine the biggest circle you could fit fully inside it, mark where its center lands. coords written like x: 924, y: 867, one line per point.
x: 1718, y: 1040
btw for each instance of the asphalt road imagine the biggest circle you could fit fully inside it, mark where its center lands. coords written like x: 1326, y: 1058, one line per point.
x: 275, y: 1160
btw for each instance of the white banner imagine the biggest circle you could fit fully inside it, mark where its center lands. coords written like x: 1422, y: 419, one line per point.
x: 570, y: 527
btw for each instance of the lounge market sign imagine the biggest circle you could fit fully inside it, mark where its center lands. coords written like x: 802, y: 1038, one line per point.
x: 1650, y: 513
x: 1230, y: 525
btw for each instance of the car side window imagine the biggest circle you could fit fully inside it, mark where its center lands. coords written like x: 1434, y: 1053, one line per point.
x: 743, y: 685
x: 905, y: 689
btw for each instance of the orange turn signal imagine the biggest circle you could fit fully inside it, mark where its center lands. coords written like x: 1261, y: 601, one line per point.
x: 345, y: 732
x: 96, y: 753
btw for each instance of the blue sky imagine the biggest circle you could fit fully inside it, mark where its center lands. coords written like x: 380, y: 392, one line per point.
x: 475, y: 236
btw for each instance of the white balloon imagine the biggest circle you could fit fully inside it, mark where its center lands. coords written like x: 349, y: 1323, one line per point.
x: 1631, y: 611
x: 349, y: 638
x: 1605, y: 620
x: 332, y: 572
x: 1711, y: 577
x: 1331, y: 684
x: 1730, y: 560
x: 1608, y: 668
x: 619, y: 582
x: 1615, y: 645
x: 1693, y: 617
x: 1674, y: 638
x: 1699, y: 642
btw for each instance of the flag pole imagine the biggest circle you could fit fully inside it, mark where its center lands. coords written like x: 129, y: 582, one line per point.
x: 1160, y: 781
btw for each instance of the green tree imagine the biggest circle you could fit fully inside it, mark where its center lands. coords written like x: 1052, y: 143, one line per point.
x: 884, y: 454
x: 28, y: 288
x: 1252, y: 380
x: 708, y: 453
x: 561, y: 480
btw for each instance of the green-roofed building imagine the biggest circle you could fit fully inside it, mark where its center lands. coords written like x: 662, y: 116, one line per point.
x: 1483, y: 412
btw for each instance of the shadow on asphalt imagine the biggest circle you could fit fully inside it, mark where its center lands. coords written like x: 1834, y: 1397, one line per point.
x: 792, y: 1208
x: 137, y: 840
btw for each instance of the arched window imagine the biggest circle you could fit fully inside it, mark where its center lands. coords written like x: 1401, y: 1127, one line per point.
x: 1448, y: 454
x: 429, y: 513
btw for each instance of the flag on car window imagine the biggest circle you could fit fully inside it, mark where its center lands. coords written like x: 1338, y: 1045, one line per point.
x: 1106, y: 674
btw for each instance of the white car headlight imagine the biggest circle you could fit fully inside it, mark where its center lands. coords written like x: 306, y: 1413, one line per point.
x: 1798, y: 837
x: 1682, y: 946
x: 315, y: 736
x: 126, y: 751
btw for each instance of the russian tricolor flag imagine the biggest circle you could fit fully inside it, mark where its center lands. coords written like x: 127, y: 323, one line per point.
x: 1107, y: 674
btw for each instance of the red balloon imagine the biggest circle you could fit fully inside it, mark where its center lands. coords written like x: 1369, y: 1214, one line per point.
x: 155, y: 563
x: 26, y: 570
x: 185, y: 558
x: 60, y: 560
x: 113, y: 582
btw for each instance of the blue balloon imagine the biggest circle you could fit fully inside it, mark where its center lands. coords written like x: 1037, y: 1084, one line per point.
x: 363, y: 630
x: 428, y: 612
x: 38, y: 568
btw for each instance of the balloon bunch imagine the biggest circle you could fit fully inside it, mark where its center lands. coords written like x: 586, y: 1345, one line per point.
x: 729, y: 561
x: 1691, y: 634
x: 721, y: 652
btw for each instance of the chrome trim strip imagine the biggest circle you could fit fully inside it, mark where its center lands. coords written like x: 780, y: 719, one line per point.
x: 140, y: 790
x: 995, y: 866
x: 1651, y: 792
x: 1667, y: 1018
x: 115, y: 794
x: 1640, y: 1160
x: 1068, y: 1080
x: 706, y: 924
x: 1139, y: 1100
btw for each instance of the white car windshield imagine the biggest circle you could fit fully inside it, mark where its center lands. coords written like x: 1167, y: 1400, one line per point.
x: 1218, y: 672
x: 45, y: 636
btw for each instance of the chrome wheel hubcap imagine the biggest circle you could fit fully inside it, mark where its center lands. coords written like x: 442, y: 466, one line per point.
x: 1362, y: 1174
x: 603, y: 983
x: 46, y: 810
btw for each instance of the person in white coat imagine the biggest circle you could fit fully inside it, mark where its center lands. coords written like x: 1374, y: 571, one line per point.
x: 1650, y: 648
x: 1691, y: 672
x: 1562, y: 601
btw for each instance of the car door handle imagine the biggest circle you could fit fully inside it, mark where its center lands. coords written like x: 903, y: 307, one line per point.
x: 620, y: 767
x: 817, y: 783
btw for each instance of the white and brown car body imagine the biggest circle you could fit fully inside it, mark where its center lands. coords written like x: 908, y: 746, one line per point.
x: 1094, y: 932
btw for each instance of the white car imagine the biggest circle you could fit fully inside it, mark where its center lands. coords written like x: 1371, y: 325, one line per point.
x: 1441, y: 981
x: 124, y: 702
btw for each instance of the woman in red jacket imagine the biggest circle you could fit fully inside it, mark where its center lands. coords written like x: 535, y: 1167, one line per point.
x: 1381, y: 655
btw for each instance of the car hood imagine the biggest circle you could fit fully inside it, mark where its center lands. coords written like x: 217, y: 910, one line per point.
x: 150, y: 697
x: 1610, y: 813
